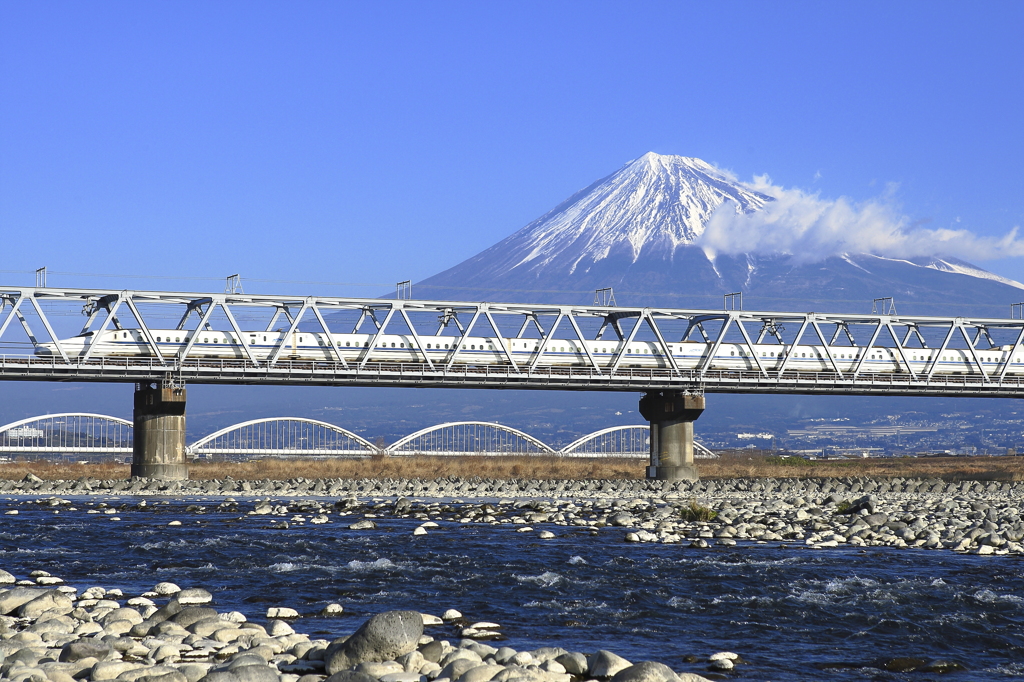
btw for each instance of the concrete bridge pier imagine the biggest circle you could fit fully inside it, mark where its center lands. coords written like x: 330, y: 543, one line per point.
x: 671, y: 414
x: 159, y: 441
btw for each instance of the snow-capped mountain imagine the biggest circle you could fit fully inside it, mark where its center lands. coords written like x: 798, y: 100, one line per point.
x: 637, y: 230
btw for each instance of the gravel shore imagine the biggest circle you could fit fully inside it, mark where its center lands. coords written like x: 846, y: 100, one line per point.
x: 968, y: 516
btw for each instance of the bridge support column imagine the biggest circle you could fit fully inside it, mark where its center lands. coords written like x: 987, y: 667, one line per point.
x: 671, y: 415
x: 159, y: 440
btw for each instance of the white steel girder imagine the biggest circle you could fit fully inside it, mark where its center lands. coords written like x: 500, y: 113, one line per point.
x: 1004, y: 336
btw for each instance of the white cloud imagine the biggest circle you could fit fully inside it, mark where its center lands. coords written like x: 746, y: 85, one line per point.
x: 811, y: 228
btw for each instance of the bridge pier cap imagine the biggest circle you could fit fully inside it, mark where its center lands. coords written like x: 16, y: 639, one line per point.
x: 671, y: 414
x: 158, y: 450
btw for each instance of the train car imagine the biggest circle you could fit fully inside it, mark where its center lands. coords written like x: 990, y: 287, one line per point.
x: 318, y: 346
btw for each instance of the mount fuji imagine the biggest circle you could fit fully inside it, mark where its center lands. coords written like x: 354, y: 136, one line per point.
x: 637, y: 230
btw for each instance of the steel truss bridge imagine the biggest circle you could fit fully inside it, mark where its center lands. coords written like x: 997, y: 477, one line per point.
x: 85, y: 434
x: 41, y: 312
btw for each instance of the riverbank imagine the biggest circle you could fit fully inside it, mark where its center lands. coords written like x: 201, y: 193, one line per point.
x: 728, y: 466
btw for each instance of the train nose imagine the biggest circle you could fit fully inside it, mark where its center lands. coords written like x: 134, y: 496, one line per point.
x: 43, y: 350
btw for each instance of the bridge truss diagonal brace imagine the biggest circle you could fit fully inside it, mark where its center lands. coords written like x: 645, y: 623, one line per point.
x: 796, y: 342
x: 1011, y: 353
x: 501, y: 340
x: 191, y: 336
x: 583, y: 342
x: 825, y: 346
x: 750, y: 347
x: 15, y: 305
x: 625, y: 345
x: 545, y: 339
x: 649, y: 315
x: 868, y: 349
x: 327, y: 332
x: 368, y: 349
x: 457, y: 346
x: 900, y: 348
x: 238, y: 331
x: 974, y: 351
x: 110, y: 317
x: 705, y: 364
x: 942, y: 349
x: 415, y: 336
x: 47, y: 327
x: 150, y: 339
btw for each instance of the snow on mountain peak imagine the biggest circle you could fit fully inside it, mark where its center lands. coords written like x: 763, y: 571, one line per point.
x: 653, y: 204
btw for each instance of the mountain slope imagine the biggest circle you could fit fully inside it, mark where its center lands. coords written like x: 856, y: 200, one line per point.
x: 635, y: 230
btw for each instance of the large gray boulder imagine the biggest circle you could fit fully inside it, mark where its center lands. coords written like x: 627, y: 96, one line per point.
x: 384, y: 637
x: 85, y: 648
x: 16, y: 596
x: 605, y: 664
x: 646, y: 671
x: 50, y: 601
x: 193, y: 614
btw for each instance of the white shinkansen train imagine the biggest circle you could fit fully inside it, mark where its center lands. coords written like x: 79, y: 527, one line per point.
x: 558, y: 352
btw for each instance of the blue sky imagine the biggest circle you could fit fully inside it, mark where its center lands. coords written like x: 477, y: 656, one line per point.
x: 368, y: 143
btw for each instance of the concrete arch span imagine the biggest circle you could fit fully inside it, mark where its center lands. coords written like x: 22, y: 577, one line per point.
x: 469, y: 438
x: 283, y: 436
x: 67, y: 433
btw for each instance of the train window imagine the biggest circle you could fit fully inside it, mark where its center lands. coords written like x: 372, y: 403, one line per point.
x: 392, y: 344
x: 772, y: 354
x: 300, y: 339
x: 264, y: 338
x: 158, y: 339
x: 732, y: 353
x: 177, y: 339
x: 206, y: 340
x: 446, y: 345
x: 366, y: 344
x: 401, y: 345
x: 803, y: 355
x: 252, y: 342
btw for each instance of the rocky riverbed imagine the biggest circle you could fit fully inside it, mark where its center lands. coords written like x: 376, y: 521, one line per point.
x: 674, y: 573
x: 968, y: 516
x: 49, y: 631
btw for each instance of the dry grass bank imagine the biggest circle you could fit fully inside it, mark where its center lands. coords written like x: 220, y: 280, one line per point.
x: 730, y: 465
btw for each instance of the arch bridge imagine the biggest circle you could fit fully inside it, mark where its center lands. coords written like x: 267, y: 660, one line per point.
x: 282, y: 437
x: 469, y: 438
x: 67, y: 434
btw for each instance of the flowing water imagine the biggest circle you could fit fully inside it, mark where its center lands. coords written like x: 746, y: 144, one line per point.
x: 791, y: 612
